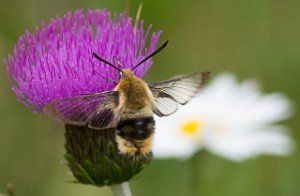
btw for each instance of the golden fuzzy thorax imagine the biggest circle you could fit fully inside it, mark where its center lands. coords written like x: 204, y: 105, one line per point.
x: 135, y: 98
x: 135, y: 101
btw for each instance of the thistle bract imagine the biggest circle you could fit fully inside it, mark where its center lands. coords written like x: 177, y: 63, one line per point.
x: 56, y: 60
x: 93, y: 157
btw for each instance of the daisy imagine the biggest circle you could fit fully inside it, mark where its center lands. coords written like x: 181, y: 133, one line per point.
x: 232, y: 120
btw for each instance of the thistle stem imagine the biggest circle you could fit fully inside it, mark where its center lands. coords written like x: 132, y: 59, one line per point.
x: 121, y: 189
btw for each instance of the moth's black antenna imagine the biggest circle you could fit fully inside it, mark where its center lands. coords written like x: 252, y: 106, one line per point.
x: 104, y: 61
x: 107, y: 79
x: 152, y: 54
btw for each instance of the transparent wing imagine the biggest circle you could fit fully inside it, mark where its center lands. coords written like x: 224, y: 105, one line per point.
x: 95, y: 110
x: 180, y: 90
x: 165, y: 106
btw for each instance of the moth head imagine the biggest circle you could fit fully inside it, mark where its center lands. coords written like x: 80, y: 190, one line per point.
x: 126, y: 73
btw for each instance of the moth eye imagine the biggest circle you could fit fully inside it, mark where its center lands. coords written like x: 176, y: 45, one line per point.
x: 121, y: 74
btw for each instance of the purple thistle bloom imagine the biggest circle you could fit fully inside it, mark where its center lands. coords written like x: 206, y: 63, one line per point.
x: 56, y: 60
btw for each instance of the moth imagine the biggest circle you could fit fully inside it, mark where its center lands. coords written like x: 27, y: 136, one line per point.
x: 129, y: 107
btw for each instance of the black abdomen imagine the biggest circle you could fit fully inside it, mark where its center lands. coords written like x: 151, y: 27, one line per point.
x: 137, y: 129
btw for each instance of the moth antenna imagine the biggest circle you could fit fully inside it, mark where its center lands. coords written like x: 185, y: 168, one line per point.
x: 107, y: 79
x: 106, y: 62
x: 152, y: 54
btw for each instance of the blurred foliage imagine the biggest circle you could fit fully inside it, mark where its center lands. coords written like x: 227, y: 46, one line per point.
x: 254, y: 39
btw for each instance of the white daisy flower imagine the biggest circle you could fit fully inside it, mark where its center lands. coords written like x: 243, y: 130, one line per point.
x: 232, y: 120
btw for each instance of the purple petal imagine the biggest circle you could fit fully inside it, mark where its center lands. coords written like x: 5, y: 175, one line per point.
x: 56, y: 60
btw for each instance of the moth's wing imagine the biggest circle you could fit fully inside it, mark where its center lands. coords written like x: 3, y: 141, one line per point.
x: 180, y: 90
x: 165, y: 106
x: 97, y: 111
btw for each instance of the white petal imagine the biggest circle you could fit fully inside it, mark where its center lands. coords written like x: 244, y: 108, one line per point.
x: 261, y: 109
x: 170, y: 141
x: 238, y: 145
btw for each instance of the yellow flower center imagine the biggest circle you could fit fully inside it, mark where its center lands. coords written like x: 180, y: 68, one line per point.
x: 191, y: 128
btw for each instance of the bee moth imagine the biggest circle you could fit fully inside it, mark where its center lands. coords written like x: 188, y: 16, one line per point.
x: 129, y: 108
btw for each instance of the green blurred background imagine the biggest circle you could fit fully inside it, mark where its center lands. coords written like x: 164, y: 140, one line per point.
x: 254, y: 39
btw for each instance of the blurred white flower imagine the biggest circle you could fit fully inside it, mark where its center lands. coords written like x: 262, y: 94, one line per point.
x: 232, y: 120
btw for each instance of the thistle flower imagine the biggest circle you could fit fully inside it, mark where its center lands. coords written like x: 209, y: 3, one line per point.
x: 234, y: 121
x: 56, y: 62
